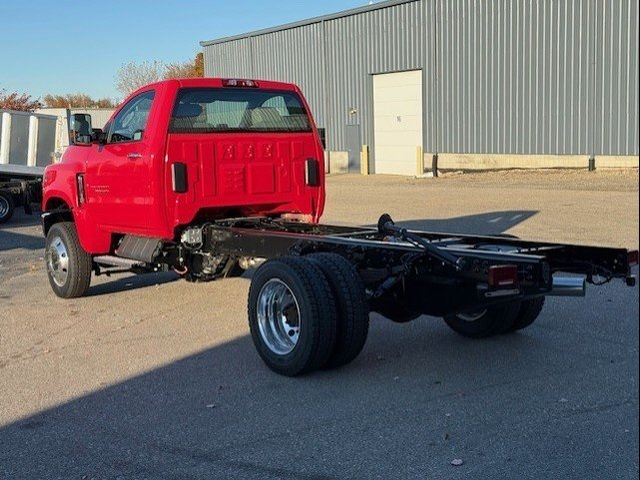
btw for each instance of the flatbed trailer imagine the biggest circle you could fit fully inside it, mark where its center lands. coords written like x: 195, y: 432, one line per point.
x: 20, y: 186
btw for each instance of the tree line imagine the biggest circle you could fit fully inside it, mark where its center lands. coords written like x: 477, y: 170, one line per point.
x: 128, y: 78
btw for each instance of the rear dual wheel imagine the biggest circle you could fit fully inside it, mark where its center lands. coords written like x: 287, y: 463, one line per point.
x: 307, y: 313
x: 506, y: 318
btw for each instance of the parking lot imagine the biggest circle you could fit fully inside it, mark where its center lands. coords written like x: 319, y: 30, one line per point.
x: 149, y: 377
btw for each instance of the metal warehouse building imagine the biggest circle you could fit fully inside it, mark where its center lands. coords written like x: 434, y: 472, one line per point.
x: 480, y: 83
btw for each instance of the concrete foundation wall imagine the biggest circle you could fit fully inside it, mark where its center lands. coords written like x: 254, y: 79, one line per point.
x: 455, y: 161
x: 338, y: 162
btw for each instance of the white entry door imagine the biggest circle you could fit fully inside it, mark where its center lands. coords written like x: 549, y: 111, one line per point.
x: 397, y: 112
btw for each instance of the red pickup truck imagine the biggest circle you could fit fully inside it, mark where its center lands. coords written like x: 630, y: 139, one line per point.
x: 209, y: 177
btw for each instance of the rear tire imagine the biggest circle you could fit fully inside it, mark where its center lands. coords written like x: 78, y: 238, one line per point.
x: 7, y: 207
x: 292, y: 315
x: 492, y: 321
x: 351, y: 301
x: 529, y: 311
x: 68, y: 265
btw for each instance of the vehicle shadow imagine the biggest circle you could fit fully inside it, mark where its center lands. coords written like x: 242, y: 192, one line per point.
x: 13, y: 236
x: 130, y: 282
x: 490, y: 223
x: 14, y: 240
x: 220, y: 410
x: 417, y: 397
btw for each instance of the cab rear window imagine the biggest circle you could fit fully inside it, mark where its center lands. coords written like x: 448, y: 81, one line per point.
x: 202, y: 110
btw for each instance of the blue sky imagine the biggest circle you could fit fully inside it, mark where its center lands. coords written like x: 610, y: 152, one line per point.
x: 65, y: 46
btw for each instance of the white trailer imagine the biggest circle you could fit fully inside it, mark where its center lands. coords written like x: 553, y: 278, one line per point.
x: 28, y: 144
x: 29, y: 141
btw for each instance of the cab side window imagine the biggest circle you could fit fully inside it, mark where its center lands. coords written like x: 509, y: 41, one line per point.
x: 130, y: 122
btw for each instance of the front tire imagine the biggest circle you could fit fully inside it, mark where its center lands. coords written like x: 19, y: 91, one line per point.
x: 68, y: 265
x: 292, y: 315
x: 491, y: 321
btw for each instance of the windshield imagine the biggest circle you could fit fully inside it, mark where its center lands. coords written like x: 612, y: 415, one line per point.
x: 201, y: 110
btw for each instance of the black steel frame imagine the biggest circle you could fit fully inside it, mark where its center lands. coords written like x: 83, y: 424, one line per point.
x: 435, y: 273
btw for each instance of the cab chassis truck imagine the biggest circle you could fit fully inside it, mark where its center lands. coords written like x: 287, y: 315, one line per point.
x: 210, y: 177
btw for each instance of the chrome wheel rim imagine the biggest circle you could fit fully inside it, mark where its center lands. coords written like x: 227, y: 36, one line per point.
x: 4, y: 207
x: 278, y: 317
x: 58, y: 261
x: 472, y: 317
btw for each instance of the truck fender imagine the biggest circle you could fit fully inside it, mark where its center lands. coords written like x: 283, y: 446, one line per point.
x: 92, y: 239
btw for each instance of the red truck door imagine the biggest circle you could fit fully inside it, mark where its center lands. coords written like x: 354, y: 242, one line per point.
x: 119, y: 173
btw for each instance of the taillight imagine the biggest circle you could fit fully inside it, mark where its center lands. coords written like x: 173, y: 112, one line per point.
x: 237, y: 82
x: 80, y: 185
x: 503, y: 276
x: 633, y: 258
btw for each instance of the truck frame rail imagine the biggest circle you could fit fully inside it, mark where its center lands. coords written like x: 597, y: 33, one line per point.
x: 434, y: 273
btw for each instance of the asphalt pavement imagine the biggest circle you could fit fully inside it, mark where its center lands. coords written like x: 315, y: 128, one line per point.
x: 153, y: 377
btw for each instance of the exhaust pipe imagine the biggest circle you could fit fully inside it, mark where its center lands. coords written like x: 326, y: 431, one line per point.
x: 568, y: 287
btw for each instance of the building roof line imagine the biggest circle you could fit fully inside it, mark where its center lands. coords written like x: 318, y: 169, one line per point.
x: 309, y: 21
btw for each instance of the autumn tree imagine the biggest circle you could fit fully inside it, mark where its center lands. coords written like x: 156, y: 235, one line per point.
x: 179, y: 70
x: 80, y: 100
x: 189, y: 69
x: 132, y: 75
x: 198, y: 65
x: 18, y: 101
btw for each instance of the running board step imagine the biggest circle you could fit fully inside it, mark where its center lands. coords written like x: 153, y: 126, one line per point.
x: 144, y: 249
x: 112, y: 261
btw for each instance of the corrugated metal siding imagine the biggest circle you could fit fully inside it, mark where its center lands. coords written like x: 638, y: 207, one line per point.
x: 332, y: 62
x: 520, y: 76
x: 233, y: 59
x: 384, y: 40
x: 616, y: 77
x: 278, y: 56
x: 514, y: 76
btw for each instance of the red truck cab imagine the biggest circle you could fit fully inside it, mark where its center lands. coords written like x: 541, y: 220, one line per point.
x: 180, y: 151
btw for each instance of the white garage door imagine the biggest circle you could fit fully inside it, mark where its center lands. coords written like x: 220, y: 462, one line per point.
x: 397, y: 112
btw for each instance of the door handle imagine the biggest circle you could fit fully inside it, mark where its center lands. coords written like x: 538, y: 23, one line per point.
x: 134, y: 156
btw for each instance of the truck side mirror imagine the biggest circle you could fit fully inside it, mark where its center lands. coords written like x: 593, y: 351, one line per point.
x: 80, y: 132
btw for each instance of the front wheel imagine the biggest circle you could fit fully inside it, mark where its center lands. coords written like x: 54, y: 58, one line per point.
x: 68, y: 265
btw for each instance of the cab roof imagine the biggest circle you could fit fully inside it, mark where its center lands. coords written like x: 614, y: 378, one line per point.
x: 218, y: 82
